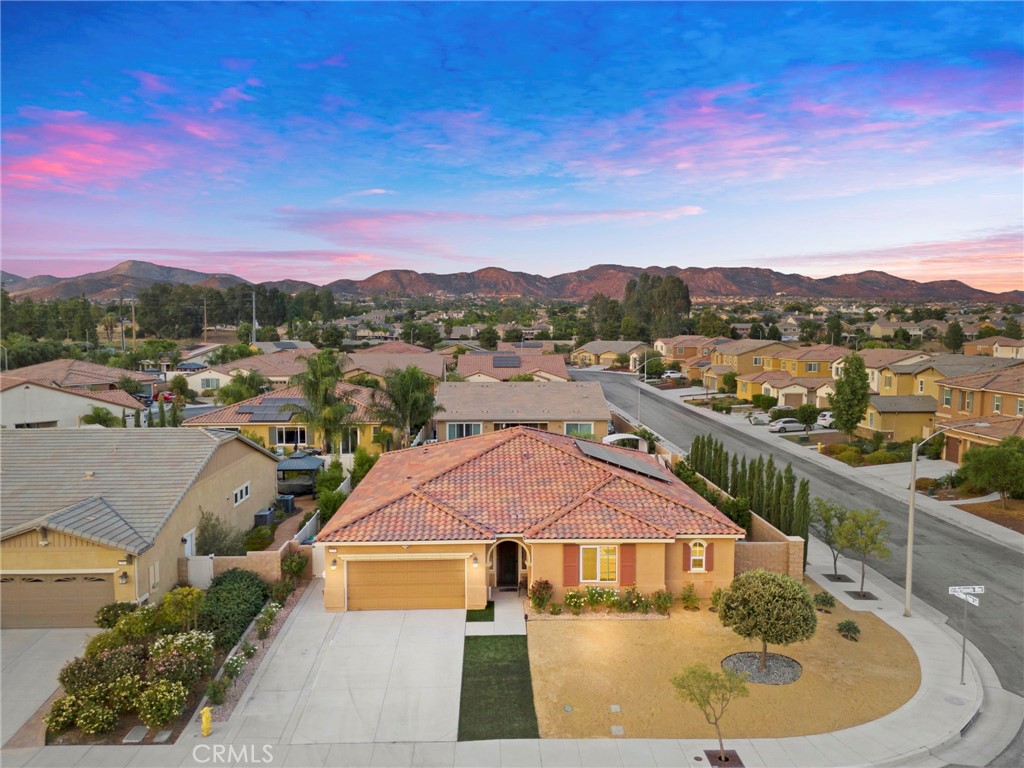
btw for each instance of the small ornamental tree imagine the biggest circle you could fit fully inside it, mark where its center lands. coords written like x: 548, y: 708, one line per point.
x: 129, y: 385
x: 711, y: 692
x: 182, y: 605
x: 770, y: 607
x: 953, y: 339
x: 998, y: 468
x: 865, y: 534
x: 852, y: 395
x: 826, y: 519
x: 807, y: 414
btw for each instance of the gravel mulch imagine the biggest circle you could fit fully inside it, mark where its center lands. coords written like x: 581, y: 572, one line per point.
x: 223, y: 712
x: 780, y: 670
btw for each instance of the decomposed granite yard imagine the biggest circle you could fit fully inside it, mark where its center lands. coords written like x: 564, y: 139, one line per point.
x: 593, y: 665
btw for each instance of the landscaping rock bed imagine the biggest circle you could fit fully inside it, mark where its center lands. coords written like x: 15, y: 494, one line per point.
x: 591, y: 614
x: 780, y: 670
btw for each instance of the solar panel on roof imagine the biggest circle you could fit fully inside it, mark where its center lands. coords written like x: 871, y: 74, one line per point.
x: 285, y: 345
x: 624, y: 461
x: 507, y: 361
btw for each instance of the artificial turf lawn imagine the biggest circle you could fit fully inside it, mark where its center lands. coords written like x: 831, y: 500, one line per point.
x: 497, y: 693
x: 482, y: 614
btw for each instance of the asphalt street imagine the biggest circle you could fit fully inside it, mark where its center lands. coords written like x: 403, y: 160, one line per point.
x: 944, y: 555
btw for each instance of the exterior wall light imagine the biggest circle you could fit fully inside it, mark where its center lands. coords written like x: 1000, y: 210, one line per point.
x: 334, y: 564
x: 123, y: 578
x: 476, y: 562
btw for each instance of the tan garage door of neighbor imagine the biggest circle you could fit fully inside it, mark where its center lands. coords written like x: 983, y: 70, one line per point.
x: 41, y: 601
x: 406, y: 584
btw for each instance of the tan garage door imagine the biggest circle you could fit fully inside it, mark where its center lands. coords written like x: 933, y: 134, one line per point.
x: 404, y: 584
x: 53, y: 600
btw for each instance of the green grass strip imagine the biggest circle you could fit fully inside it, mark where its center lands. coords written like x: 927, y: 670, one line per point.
x: 497, y: 692
x: 482, y: 614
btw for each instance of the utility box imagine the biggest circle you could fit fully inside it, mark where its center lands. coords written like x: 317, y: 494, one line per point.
x: 286, y: 501
x: 263, y: 517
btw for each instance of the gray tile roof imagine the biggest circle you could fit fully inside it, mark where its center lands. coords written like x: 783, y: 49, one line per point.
x: 533, y: 401
x: 904, y: 403
x: 64, y: 477
x: 956, y: 365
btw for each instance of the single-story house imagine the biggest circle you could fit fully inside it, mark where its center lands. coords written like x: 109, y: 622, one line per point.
x: 378, y: 364
x: 964, y: 434
x: 93, y: 516
x: 441, y: 525
x: 278, y: 367
x: 607, y: 352
x: 899, y: 417
x: 392, y: 347
x: 565, y: 408
x: 501, y: 366
x: 32, y: 405
x: 267, y: 417
x: 286, y: 345
x: 81, y: 374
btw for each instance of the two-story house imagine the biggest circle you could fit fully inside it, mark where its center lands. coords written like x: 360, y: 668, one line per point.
x: 794, y: 375
x: 877, y: 359
x: 981, y: 409
x: 744, y: 356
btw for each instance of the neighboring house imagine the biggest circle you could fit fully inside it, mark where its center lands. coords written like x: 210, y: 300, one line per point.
x: 740, y: 357
x: 565, y: 408
x: 81, y: 374
x: 290, y: 345
x: 199, y: 353
x: 679, y: 348
x: 533, y: 347
x: 278, y: 367
x: 392, y: 347
x: 980, y: 405
x: 93, y: 516
x: 982, y: 346
x: 899, y: 417
x: 882, y: 329
x: 377, y: 365
x: 31, y: 405
x: 607, y: 352
x: 920, y: 377
x: 501, y: 366
x: 877, y: 359
x: 813, y: 361
x: 964, y: 434
x: 265, y: 417
x: 464, y: 331
x: 449, y: 347
x: 1008, y: 349
x: 441, y: 525
x: 790, y: 390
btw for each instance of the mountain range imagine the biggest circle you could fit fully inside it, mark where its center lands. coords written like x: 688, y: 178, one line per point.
x: 129, y: 277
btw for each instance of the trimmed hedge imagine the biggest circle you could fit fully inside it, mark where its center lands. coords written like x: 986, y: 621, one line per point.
x: 233, y: 600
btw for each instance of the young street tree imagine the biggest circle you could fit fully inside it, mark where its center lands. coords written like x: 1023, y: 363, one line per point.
x: 807, y: 414
x: 864, y: 533
x: 999, y: 468
x: 770, y: 607
x: 711, y: 692
x: 827, y: 517
x: 852, y: 395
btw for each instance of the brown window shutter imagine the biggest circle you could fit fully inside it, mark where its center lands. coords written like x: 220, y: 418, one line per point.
x: 709, y: 557
x: 570, y: 565
x: 627, y: 564
x: 686, y: 558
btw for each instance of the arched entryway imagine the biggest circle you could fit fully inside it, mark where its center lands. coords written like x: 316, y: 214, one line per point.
x: 507, y: 564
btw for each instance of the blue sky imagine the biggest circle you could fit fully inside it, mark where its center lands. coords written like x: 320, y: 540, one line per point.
x: 330, y: 140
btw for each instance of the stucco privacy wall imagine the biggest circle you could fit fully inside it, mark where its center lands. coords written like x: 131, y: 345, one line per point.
x: 334, y: 579
x: 769, y: 548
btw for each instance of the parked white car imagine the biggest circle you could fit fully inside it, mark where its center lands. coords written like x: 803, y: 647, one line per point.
x: 785, y: 425
x: 825, y: 420
x: 672, y: 375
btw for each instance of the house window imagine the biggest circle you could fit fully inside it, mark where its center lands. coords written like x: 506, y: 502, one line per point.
x: 291, y: 436
x: 241, y: 494
x: 871, y: 419
x: 920, y: 387
x: 463, y: 430
x: 598, y: 563
x: 349, y: 440
x: 813, y: 367
x: 888, y: 382
x: 997, y: 403
x: 579, y: 428
x: 947, y: 397
x: 209, y: 383
x: 758, y: 361
x: 962, y: 399
x: 698, y: 550
x: 154, y: 575
x: 970, y: 401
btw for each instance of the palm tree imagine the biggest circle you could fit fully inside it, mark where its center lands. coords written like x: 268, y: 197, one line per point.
x: 324, y: 411
x: 242, y: 387
x: 405, y: 401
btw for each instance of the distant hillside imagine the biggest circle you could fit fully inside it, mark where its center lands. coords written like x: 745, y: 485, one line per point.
x: 129, y: 277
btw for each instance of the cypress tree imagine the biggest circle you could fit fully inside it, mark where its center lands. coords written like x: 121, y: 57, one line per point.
x: 175, y: 417
x: 137, y: 418
x: 741, y: 487
x: 150, y: 418
x: 778, y: 501
x: 734, y: 479
x: 755, y: 485
x: 802, y: 514
x: 788, y: 493
x: 163, y: 413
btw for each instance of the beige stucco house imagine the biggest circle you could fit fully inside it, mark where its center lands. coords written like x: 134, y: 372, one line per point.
x: 31, y: 405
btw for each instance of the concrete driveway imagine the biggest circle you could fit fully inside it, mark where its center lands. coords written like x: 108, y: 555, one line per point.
x: 31, y: 659
x: 359, y: 677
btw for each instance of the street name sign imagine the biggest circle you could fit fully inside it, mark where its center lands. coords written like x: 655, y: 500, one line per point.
x: 967, y: 590
x: 969, y: 598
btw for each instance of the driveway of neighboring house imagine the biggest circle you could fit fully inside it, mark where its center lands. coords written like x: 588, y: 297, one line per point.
x: 31, y: 659
x: 362, y: 676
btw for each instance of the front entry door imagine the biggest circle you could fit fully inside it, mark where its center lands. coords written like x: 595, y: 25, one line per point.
x: 508, y: 564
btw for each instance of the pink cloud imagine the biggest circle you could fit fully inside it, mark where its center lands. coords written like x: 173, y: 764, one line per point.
x: 337, y: 60
x: 151, y: 84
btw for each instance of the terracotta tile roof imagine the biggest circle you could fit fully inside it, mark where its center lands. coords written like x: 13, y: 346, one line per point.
x: 879, y: 358
x: 392, y: 347
x: 599, y: 347
x: 286, y: 363
x: 380, y: 363
x: 819, y: 352
x: 360, y: 397
x: 519, y: 481
x: 78, y: 373
x: 484, y: 364
x: 742, y: 346
x: 773, y: 378
x: 532, y: 401
x: 1008, y: 380
x: 996, y: 427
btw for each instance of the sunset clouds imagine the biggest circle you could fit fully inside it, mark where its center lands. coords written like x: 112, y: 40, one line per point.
x: 333, y: 140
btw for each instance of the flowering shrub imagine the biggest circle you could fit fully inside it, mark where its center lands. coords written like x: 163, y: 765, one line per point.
x: 234, y: 665
x: 177, y: 666
x: 194, y: 643
x: 125, y: 660
x: 163, y: 701
x: 280, y: 590
x: 266, y: 620
x: 574, y: 601
x: 232, y: 601
x: 633, y: 601
x: 540, y: 593
x: 691, y: 601
x: 248, y: 650
x: 142, y: 623
x: 96, y: 718
x: 122, y: 695
x: 596, y: 596
x: 79, y: 674
x: 103, y: 641
x: 107, y: 615
x: 662, y: 600
x: 63, y: 713
x: 555, y: 609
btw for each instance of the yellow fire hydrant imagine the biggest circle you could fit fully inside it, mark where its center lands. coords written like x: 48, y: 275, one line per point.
x: 207, y: 716
x: 819, y: 447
